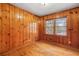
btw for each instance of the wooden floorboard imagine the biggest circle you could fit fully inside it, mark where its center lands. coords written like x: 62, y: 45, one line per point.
x: 42, y: 49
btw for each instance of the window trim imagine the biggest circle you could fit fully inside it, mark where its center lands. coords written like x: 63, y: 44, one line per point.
x: 45, y: 27
x: 61, y: 26
x: 54, y: 34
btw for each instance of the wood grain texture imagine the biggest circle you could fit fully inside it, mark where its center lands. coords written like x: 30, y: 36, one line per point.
x: 14, y: 23
x: 72, y: 38
x: 14, y: 28
x: 42, y: 49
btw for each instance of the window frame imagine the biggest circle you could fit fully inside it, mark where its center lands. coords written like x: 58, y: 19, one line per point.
x: 47, y: 27
x: 54, y: 27
x: 33, y: 27
x: 61, y: 26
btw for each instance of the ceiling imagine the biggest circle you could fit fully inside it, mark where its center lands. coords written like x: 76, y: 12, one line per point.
x: 41, y: 10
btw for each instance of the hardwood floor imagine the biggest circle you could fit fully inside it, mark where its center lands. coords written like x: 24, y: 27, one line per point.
x: 42, y: 49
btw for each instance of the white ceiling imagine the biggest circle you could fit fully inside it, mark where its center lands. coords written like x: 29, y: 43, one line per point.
x: 40, y: 10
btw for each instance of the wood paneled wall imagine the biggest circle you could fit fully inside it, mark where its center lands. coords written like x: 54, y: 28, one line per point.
x: 14, y: 30
x: 72, y: 38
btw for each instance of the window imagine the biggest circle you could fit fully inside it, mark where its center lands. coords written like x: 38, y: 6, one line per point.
x: 49, y: 26
x: 60, y: 26
x: 57, y: 26
x: 33, y: 27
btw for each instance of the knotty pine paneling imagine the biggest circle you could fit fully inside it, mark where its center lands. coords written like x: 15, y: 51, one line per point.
x: 0, y: 33
x: 78, y: 23
x: 72, y: 38
x: 12, y: 37
x: 14, y: 28
x: 14, y: 31
x: 5, y: 27
x: 41, y: 28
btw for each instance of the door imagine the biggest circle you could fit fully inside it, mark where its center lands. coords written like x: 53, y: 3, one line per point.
x: 74, y: 29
